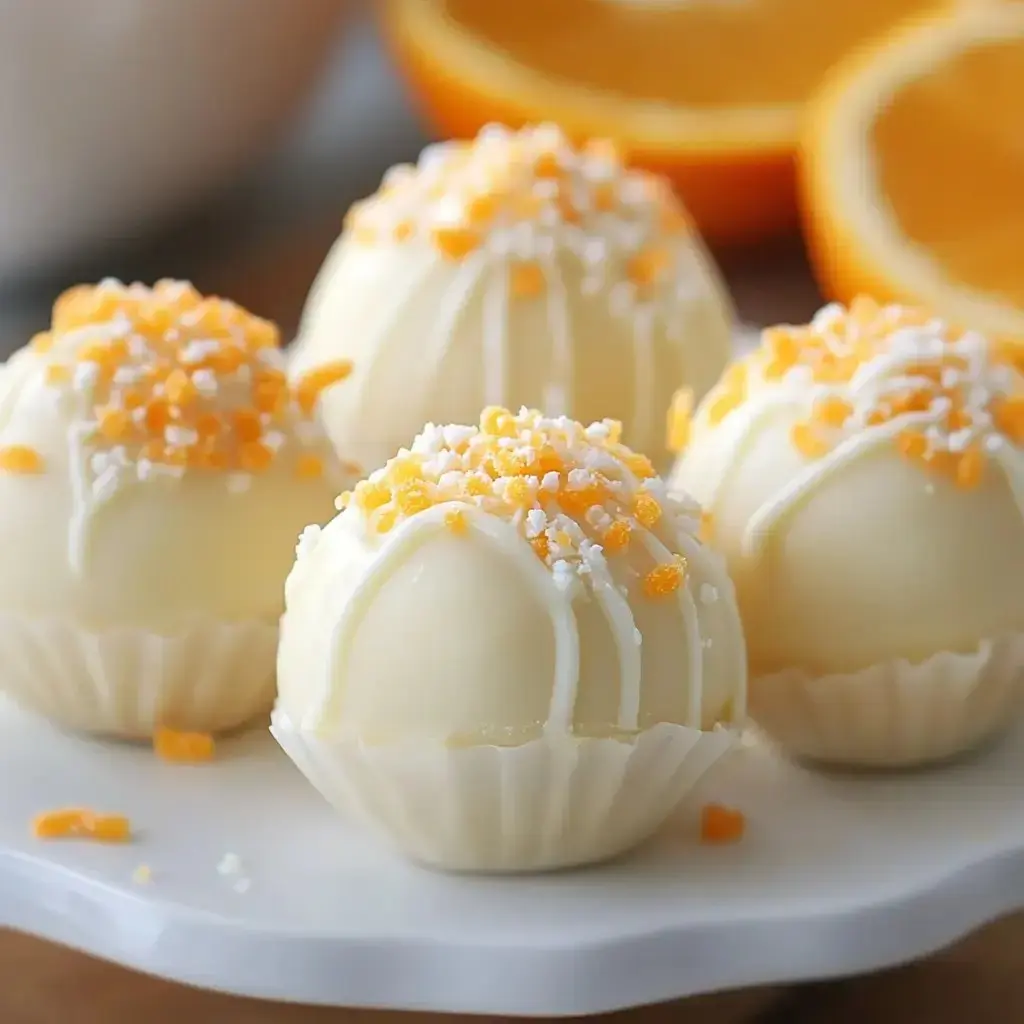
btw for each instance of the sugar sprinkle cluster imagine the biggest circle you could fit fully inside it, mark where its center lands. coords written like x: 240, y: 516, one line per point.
x: 958, y: 396
x: 172, y: 382
x: 523, y: 195
x: 577, y: 494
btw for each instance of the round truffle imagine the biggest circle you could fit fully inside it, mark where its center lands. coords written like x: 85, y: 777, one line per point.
x: 865, y: 479
x: 539, y: 578
x: 155, y: 464
x: 514, y: 633
x: 513, y: 270
x: 156, y: 468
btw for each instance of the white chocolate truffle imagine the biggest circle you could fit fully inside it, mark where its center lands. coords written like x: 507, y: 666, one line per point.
x: 155, y: 470
x: 514, y: 270
x: 865, y: 476
x: 527, y: 581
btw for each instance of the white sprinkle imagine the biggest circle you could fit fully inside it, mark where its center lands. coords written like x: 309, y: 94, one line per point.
x: 138, y: 347
x: 959, y: 440
x: 242, y: 885
x: 180, y: 437
x: 563, y: 573
x: 144, y: 470
x: 536, y: 522
x: 638, y: 637
x: 197, y: 351
x: 456, y: 435
x: 230, y: 864
x: 274, y: 440
x: 86, y: 375
x: 551, y: 482
x: 994, y: 443
x: 205, y: 382
x: 128, y: 374
x: 708, y: 593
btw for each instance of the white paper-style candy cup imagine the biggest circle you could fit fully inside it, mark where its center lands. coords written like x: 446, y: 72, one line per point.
x: 896, y: 714
x: 211, y: 677
x: 551, y: 803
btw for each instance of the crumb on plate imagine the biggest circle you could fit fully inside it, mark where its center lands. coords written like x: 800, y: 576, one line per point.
x: 81, y: 823
x: 720, y: 824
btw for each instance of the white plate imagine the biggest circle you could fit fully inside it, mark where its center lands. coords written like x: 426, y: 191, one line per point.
x: 836, y: 875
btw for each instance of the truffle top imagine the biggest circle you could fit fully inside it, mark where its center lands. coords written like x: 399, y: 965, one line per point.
x: 951, y: 401
x: 576, y: 493
x: 168, y: 381
x: 523, y: 194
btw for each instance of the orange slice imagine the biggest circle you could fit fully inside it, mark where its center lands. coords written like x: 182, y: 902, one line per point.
x: 913, y: 170
x: 708, y: 92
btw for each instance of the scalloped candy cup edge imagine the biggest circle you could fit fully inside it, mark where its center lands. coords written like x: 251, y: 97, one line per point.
x: 896, y: 714
x: 211, y: 677
x: 550, y: 803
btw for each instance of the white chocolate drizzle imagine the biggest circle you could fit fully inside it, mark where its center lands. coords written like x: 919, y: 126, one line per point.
x: 549, y: 494
x: 952, y: 402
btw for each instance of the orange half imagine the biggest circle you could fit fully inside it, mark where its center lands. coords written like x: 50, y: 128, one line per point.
x: 709, y: 92
x: 913, y: 170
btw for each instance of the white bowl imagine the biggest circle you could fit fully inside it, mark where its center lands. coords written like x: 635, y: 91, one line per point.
x: 117, y: 113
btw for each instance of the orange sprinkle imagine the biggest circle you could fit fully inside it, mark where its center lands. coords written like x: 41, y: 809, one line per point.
x: 970, y: 468
x: 455, y: 520
x: 412, y: 498
x: 540, y: 546
x: 179, y: 388
x: 42, y: 342
x: 309, y: 466
x: 616, y: 537
x: 254, y: 457
x: 247, y: 425
x: 183, y: 747
x: 57, y: 373
x: 707, y: 526
x: 664, y: 580
x: 646, y: 509
x: 720, y: 824
x: 497, y: 421
x: 646, y: 267
x: 403, y: 231
x: 20, y: 458
x: 157, y: 416
x: 75, y: 823
x: 113, y: 423
x: 913, y: 444
x: 386, y: 520
x: 315, y: 381
x: 455, y: 243
x: 526, y: 280
x: 547, y: 165
x: 832, y: 411
x: 1008, y: 415
x: 519, y: 492
x: 481, y: 208
x: 639, y: 465
x: 722, y: 405
x: 807, y: 442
